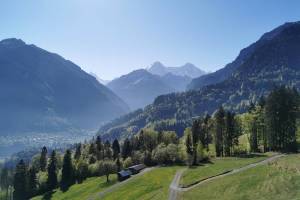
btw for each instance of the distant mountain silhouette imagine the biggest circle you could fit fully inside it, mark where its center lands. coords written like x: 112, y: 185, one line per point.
x: 139, y: 88
x: 41, y: 91
x: 188, y: 70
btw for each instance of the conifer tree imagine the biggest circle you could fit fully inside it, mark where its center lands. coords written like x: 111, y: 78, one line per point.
x: 32, y: 182
x: 43, y: 159
x: 116, y: 149
x: 20, y: 182
x: 78, y: 152
x: 52, y: 182
x: 126, y: 150
x: 67, y: 177
x: 220, y: 129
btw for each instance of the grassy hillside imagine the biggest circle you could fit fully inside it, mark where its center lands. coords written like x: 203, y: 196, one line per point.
x: 82, y: 191
x: 217, y: 166
x: 278, y: 180
x: 153, y: 185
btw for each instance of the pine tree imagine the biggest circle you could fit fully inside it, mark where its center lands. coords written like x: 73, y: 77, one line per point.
x: 116, y: 149
x: 126, y: 150
x: 189, y: 146
x: 281, y: 112
x: 220, y: 129
x: 77, y: 152
x: 52, y: 182
x: 195, y: 138
x: 43, y: 159
x: 67, y: 177
x: 4, y: 181
x: 20, y: 182
x: 32, y: 182
x: 100, y: 149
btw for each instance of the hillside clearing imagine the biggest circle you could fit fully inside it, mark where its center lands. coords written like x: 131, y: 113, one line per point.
x: 81, y: 191
x: 217, y: 166
x: 277, y: 180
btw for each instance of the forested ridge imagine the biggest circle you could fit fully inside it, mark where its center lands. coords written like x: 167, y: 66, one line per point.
x: 268, y: 64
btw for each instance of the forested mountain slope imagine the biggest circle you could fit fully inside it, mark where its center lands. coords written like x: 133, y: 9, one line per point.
x: 275, y: 61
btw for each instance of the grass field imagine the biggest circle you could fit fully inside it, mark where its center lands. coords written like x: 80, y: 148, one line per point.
x: 217, y: 166
x: 279, y: 180
x: 152, y: 185
x: 82, y: 191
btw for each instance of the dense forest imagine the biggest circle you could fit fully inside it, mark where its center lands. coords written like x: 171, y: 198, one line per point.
x: 270, y: 124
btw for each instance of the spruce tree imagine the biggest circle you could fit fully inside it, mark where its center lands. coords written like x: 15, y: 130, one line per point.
x: 52, y: 182
x: 77, y: 152
x: 195, y: 138
x: 126, y: 150
x: 116, y: 149
x: 43, y: 159
x: 100, y: 149
x: 20, y: 182
x: 32, y: 182
x: 220, y: 129
x: 67, y: 177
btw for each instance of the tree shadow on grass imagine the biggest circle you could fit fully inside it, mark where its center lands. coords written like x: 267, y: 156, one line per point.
x: 252, y: 155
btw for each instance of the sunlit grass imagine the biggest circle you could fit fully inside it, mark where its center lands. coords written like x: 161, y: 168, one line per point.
x: 82, y: 191
x: 151, y: 185
x: 217, y: 166
x: 276, y: 181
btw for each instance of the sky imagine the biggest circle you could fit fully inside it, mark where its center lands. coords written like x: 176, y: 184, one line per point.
x: 113, y: 37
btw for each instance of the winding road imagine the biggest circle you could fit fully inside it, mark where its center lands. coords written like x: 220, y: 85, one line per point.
x: 175, y: 189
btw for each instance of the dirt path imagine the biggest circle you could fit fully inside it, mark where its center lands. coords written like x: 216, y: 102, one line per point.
x: 175, y: 189
x: 119, y: 184
x: 174, y: 185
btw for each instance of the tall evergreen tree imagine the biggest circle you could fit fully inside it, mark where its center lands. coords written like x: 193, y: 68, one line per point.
x: 126, y: 150
x: 195, y: 138
x: 189, y: 146
x: 4, y: 181
x: 281, y: 112
x: 52, y: 182
x: 43, y: 159
x: 78, y: 151
x: 20, y: 182
x: 116, y: 149
x: 32, y: 182
x: 220, y: 129
x: 231, y: 133
x: 67, y: 177
x: 100, y: 148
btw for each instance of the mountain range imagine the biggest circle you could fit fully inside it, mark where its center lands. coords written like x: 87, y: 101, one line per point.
x: 271, y: 61
x: 188, y: 70
x: 140, y: 87
x: 41, y: 92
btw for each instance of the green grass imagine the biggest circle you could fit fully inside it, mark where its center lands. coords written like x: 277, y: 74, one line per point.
x: 215, y: 167
x: 152, y: 185
x: 277, y: 181
x: 82, y: 191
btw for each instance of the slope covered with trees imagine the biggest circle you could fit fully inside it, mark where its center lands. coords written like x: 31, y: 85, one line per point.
x: 270, y: 62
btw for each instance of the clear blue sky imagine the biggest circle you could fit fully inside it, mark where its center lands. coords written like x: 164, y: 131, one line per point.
x: 112, y: 38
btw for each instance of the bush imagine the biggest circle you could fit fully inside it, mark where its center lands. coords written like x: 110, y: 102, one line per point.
x: 127, y: 162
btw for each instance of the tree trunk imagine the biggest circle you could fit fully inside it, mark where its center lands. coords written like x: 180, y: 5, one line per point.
x: 107, y: 178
